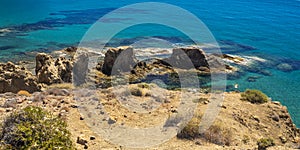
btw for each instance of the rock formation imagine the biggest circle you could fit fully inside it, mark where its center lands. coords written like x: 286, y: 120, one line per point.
x: 15, y: 78
x: 51, y: 71
x: 185, y: 58
x: 80, y: 69
x: 118, y: 60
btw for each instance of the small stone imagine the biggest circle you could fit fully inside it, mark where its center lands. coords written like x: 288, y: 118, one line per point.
x: 110, y: 121
x: 81, y: 140
x: 173, y: 110
x: 74, y: 106
x: 256, y: 118
x: 81, y: 118
x: 205, y: 102
x: 276, y: 103
x: 92, y: 138
x: 198, y: 143
x: 282, y: 139
x: 275, y: 117
x: 66, y: 109
x: 9, y: 109
x: 223, y: 106
x: 29, y: 102
x: 86, y: 146
x: 20, y: 100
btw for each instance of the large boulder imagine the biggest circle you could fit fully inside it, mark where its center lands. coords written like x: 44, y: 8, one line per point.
x: 14, y: 78
x: 188, y: 58
x: 80, y: 69
x: 49, y: 70
x: 120, y: 59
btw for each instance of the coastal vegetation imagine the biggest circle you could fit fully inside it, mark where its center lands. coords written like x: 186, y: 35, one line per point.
x: 254, y: 96
x: 35, y: 128
x: 264, y: 143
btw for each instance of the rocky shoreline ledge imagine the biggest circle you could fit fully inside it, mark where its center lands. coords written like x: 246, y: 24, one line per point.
x: 240, y: 124
x: 58, y: 67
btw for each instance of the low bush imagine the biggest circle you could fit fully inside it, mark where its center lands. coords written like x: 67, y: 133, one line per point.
x: 136, y: 91
x: 191, y: 130
x: 34, y: 128
x: 254, y: 96
x: 264, y: 143
x: 219, y: 135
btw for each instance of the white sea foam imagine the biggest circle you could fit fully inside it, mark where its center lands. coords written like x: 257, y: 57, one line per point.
x: 5, y: 30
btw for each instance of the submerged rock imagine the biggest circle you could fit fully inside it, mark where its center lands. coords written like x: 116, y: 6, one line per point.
x: 285, y: 67
x: 14, y: 78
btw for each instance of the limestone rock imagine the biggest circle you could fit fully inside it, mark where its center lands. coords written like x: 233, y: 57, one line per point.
x: 118, y: 60
x: 51, y: 71
x: 14, y: 78
x: 185, y: 58
x: 71, y: 49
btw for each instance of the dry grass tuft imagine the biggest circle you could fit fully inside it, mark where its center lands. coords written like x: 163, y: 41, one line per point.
x: 191, y: 130
x: 219, y: 134
x: 61, y: 86
x: 24, y: 93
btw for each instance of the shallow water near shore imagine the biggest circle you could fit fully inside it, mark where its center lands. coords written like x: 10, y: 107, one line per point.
x: 268, y: 29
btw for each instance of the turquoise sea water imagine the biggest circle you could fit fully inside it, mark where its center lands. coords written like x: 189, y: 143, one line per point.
x: 269, y: 29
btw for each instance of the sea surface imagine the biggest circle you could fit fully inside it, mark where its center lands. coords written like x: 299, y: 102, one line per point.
x: 268, y: 29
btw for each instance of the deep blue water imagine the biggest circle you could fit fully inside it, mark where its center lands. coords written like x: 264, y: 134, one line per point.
x: 269, y: 29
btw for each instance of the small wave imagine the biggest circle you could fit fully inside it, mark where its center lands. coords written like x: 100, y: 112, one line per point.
x: 5, y: 30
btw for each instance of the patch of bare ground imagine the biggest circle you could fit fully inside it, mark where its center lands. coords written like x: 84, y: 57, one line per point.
x: 239, y: 125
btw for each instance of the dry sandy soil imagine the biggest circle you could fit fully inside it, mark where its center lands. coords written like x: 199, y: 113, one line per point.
x: 88, y: 112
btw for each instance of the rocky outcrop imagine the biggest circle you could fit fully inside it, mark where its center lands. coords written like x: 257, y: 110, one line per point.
x: 185, y: 58
x: 14, y: 78
x: 80, y: 69
x: 118, y: 60
x: 71, y: 49
x: 51, y: 71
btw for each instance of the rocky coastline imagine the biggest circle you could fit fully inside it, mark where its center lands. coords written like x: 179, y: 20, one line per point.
x: 54, y: 79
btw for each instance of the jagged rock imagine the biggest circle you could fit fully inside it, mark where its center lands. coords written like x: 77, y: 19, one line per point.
x: 45, y: 69
x: 92, y: 137
x: 81, y: 140
x: 185, y: 58
x: 51, y: 71
x: 14, y: 78
x: 71, y: 49
x: 64, y: 68
x: 117, y: 60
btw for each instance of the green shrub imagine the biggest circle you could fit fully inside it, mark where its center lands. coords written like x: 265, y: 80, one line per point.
x: 264, y: 143
x: 34, y: 128
x: 254, y: 96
